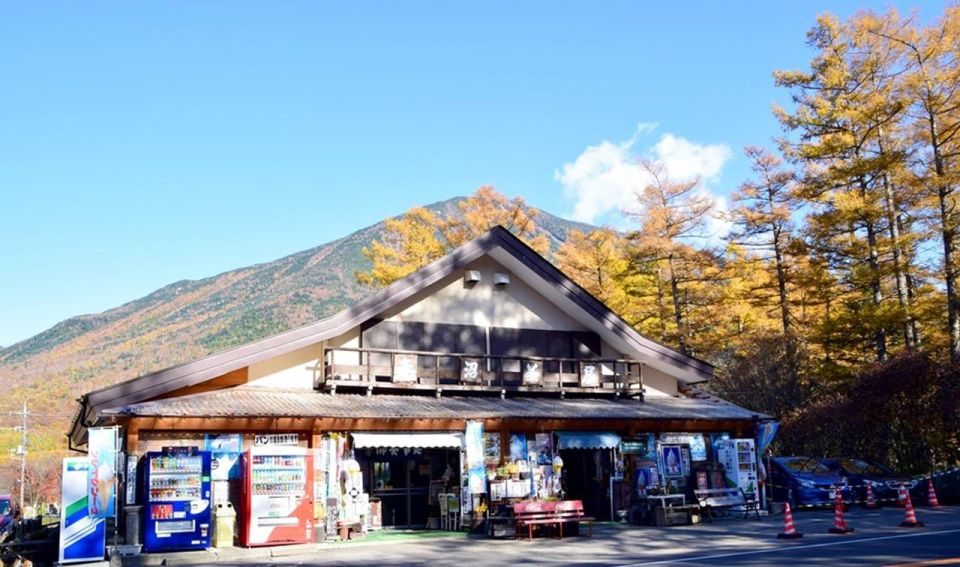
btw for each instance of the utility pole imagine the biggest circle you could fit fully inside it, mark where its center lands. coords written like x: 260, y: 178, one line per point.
x: 23, y: 453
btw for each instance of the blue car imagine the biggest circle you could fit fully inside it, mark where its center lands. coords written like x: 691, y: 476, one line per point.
x: 804, y: 481
x: 885, y: 483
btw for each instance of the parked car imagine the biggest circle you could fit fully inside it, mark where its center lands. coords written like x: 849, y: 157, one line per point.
x: 804, y: 481
x: 862, y: 472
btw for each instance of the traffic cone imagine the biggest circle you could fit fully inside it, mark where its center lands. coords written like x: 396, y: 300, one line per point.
x: 839, y: 524
x: 871, y: 498
x: 789, y: 530
x: 932, y: 495
x: 910, y: 517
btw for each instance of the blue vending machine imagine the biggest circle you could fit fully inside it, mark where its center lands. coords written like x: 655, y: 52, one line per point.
x: 177, y: 499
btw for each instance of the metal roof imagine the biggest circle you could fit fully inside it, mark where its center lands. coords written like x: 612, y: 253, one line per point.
x: 251, y: 401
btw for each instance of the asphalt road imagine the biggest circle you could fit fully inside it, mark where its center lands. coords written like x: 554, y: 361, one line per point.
x: 877, y: 540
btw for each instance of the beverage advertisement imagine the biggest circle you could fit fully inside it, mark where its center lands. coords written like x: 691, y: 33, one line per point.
x: 102, y: 447
x: 82, y: 536
x: 225, y: 452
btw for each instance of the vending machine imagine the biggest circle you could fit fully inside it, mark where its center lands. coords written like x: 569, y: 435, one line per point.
x: 739, y: 460
x: 277, y: 496
x: 177, y: 499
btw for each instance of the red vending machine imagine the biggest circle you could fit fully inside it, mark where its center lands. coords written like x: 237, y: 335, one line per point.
x: 277, y: 496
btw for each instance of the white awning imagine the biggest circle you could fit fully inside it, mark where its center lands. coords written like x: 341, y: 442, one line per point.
x: 411, y: 440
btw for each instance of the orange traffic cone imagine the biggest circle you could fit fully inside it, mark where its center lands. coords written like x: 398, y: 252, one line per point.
x: 871, y: 498
x: 789, y: 530
x: 839, y: 524
x: 910, y: 518
x: 932, y: 495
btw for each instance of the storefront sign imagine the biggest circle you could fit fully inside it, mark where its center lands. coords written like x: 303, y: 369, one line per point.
x: 532, y: 373
x: 131, y: 479
x: 404, y: 368
x: 276, y: 439
x: 102, y: 445
x: 470, y: 371
x: 82, y: 536
x: 589, y: 376
x: 644, y: 446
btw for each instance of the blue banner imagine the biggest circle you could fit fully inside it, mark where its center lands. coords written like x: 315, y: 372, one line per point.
x: 473, y: 446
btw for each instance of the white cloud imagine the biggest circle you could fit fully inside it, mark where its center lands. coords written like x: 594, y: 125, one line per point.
x: 605, y: 178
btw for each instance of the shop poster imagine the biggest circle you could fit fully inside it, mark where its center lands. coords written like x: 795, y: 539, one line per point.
x: 474, y: 448
x: 671, y: 461
x: 102, y: 445
x: 491, y: 447
x: 518, y: 447
x: 698, y: 445
x: 83, y: 537
x: 225, y: 452
x: 544, y: 442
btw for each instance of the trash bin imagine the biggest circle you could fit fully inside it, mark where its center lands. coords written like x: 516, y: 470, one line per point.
x: 225, y: 518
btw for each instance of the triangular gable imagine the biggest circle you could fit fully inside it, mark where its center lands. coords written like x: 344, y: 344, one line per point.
x: 498, y: 242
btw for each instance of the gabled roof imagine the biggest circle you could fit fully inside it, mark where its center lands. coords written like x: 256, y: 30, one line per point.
x: 690, y: 370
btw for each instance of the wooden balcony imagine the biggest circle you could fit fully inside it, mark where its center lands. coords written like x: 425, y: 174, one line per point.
x: 393, y: 370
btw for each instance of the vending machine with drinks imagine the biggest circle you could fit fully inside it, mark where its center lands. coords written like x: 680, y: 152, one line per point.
x: 177, y: 499
x: 277, y: 496
x: 739, y: 460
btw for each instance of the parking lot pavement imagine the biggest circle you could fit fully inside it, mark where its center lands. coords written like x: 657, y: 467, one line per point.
x: 878, y: 540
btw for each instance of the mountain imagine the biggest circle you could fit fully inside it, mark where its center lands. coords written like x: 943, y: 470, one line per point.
x: 190, y: 319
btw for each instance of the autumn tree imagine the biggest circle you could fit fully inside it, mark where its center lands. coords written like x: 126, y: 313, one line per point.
x: 671, y: 214
x: 838, y: 121
x: 597, y: 261
x: 487, y: 208
x: 421, y: 236
x: 408, y: 243
x: 932, y: 89
x: 762, y: 219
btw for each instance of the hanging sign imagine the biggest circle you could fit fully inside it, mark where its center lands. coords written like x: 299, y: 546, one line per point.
x: 83, y: 537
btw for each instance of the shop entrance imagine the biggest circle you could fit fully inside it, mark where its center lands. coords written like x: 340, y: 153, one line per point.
x: 406, y: 480
x: 586, y: 477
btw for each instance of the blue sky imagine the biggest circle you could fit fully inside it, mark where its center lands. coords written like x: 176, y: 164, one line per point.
x: 144, y: 143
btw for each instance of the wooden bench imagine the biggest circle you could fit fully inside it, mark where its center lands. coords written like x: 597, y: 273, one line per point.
x: 712, y: 499
x: 530, y: 514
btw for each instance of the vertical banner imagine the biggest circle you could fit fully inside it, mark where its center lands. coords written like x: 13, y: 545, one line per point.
x: 473, y: 443
x: 102, y: 444
x: 766, y: 432
x: 83, y: 537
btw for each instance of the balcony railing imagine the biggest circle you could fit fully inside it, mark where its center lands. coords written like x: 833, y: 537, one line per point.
x: 396, y: 369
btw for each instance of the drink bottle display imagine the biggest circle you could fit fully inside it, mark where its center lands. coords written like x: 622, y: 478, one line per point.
x: 277, y: 505
x: 177, y: 494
